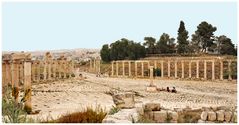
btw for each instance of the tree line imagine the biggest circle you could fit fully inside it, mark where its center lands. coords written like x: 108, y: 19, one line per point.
x: 203, y: 41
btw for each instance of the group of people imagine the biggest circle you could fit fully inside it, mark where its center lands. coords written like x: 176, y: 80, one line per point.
x: 168, y: 90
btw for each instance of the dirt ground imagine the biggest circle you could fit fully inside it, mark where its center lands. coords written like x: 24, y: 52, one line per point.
x: 56, y: 98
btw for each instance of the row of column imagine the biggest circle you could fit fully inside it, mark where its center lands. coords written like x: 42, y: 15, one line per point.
x: 116, y: 63
x: 95, y: 65
x: 15, y: 72
x: 50, y: 69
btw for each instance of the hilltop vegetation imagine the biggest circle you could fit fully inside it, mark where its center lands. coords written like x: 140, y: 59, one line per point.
x: 203, y: 41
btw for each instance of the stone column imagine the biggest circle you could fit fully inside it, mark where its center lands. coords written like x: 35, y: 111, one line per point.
x: 197, y: 76
x: 221, y: 70
x: 94, y: 65
x: 213, y: 70
x: 162, y: 69
x: 64, y: 70
x: 182, y: 63
x: 123, y: 68
x: 112, y: 68
x: 49, y: 70
x: 27, y: 86
x: 190, y: 69
x: 117, y: 68
x: 15, y: 80
x: 90, y: 65
x: 21, y: 72
x: 151, y: 75
x: 142, y: 69
x: 45, y: 69
x: 205, y: 69
x: 176, y: 68
x: 135, y: 66
x: 229, y: 70
x: 8, y: 74
x: 4, y: 74
x: 155, y: 64
x: 39, y: 72
x: 54, y: 69
x: 168, y: 68
x: 129, y: 68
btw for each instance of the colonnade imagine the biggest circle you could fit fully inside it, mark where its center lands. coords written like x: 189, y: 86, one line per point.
x: 179, y: 66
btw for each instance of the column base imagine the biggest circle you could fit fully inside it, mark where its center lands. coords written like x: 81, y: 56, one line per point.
x: 151, y: 89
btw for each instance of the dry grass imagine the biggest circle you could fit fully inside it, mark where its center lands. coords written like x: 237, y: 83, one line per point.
x: 89, y: 115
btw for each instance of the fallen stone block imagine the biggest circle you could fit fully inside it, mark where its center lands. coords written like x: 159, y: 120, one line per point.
x: 227, y: 116
x: 152, y: 107
x: 160, y: 116
x: 124, y: 100
x: 211, y: 116
x: 204, y: 115
x: 173, y: 115
x: 220, y: 115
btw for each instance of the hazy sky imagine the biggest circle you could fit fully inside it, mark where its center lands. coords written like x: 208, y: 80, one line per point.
x: 44, y: 26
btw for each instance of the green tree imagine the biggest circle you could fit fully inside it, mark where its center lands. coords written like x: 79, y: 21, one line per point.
x: 105, y: 53
x: 165, y: 45
x: 150, y: 44
x: 225, y: 46
x: 183, y: 43
x: 204, y: 36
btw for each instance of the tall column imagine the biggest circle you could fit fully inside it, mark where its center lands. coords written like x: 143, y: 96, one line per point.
x: 21, y: 71
x: 197, y: 69
x: 221, y: 70
x: 49, y: 70
x: 182, y: 63
x: 8, y: 74
x: 45, y: 69
x: 213, y: 70
x: 162, y: 69
x: 190, y: 69
x: 4, y: 74
x: 229, y: 70
x: 135, y: 67
x: 39, y: 72
x: 54, y: 69
x: 112, y: 68
x: 123, y: 68
x: 129, y: 68
x: 142, y: 69
x: 176, y: 69
x: 94, y: 65
x: 27, y: 86
x: 168, y: 68
x: 90, y: 65
x: 64, y: 69
x: 205, y: 69
x: 155, y: 64
x: 117, y: 68
x: 151, y: 75
x: 15, y: 80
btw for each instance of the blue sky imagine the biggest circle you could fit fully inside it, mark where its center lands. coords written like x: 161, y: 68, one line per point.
x: 62, y: 25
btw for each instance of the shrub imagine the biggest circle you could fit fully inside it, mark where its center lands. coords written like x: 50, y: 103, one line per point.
x: 114, y: 110
x: 89, y: 115
x: 11, y: 110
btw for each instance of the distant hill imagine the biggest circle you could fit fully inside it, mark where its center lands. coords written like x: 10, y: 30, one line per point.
x: 76, y: 54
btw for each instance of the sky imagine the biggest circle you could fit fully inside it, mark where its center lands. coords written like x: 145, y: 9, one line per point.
x: 64, y: 25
